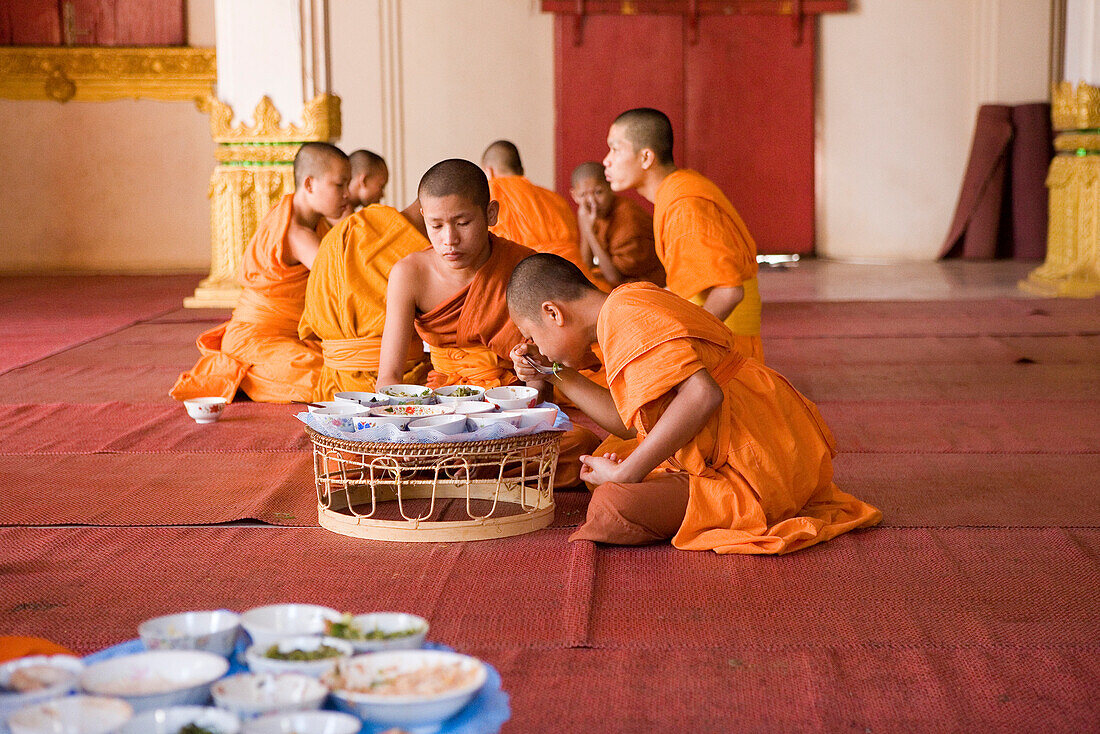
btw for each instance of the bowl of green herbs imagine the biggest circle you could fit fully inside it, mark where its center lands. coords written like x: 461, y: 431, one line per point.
x: 379, y: 631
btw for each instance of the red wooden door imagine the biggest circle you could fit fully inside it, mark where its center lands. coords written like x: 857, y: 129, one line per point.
x: 29, y: 23
x: 92, y: 22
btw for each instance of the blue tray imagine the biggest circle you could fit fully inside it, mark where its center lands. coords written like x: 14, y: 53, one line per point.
x: 483, y: 715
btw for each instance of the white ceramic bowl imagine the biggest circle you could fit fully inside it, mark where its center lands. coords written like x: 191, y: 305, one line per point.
x: 399, y: 631
x: 159, y: 679
x: 412, y: 412
x: 259, y: 662
x: 487, y: 419
x: 363, y: 422
x: 205, y: 410
x: 314, y: 407
x: 369, y: 399
x: 72, y: 715
x: 447, y: 394
x: 340, y: 417
x: 474, y: 408
x: 51, y: 675
x: 267, y: 625
x: 448, y: 425
x: 529, y: 417
x: 214, y: 631
x: 512, y: 397
x: 305, y: 722
x: 406, y: 710
x: 171, y: 720
x: 407, y: 394
x: 249, y: 695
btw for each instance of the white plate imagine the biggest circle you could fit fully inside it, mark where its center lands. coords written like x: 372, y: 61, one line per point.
x: 159, y: 679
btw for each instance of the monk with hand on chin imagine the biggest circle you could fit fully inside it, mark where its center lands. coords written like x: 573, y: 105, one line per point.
x: 731, y: 458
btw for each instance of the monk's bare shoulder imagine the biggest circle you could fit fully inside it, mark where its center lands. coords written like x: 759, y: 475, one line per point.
x: 302, y: 245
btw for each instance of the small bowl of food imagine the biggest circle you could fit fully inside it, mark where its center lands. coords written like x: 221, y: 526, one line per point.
x: 406, y: 688
x: 380, y: 631
x: 369, y: 399
x: 214, y: 631
x: 407, y: 394
x: 309, y: 655
x: 448, y: 425
x: 488, y: 419
x: 340, y: 417
x: 205, y: 410
x: 363, y: 422
x: 530, y: 417
x: 459, y: 393
x: 249, y: 695
x: 477, y: 408
x: 158, y: 679
x: 267, y: 625
x: 72, y: 715
x: 512, y: 397
x: 35, y: 679
x: 305, y: 722
x: 412, y: 412
x: 184, y: 720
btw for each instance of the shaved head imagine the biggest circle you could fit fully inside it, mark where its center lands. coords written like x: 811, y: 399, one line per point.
x: 503, y: 156
x: 366, y: 161
x: 314, y: 160
x: 646, y: 127
x: 545, y: 277
x: 587, y: 170
x: 456, y: 177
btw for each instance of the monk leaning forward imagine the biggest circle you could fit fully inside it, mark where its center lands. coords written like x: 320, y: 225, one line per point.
x: 258, y: 349
x: 453, y: 296
x: 346, y: 298
x: 731, y: 458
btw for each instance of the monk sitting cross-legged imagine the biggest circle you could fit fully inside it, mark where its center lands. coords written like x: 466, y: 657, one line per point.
x: 346, y: 297
x: 258, y: 350
x: 731, y: 457
x: 453, y: 296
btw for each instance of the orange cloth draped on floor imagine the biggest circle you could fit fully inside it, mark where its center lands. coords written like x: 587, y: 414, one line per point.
x: 703, y: 243
x: 627, y: 236
x: 760, y: 471
x: 258, y: 349
x: 471, y: 335
x: 540, y: 219
x: 345, y: 304
x: 12, y: 648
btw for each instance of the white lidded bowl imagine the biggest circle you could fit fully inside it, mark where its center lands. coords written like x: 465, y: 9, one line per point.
x: 212, y: 631
x: 487, y: 419
x: 157, y: 679
x: 205, y: 410
x: 473, y: 393
x: 268, y: 624
x: 305, y: 722
x: 392, y: 631
x: 44, y: 676
x: 448, y: 425
x: 171, y: 720
x: 407, y: 394
x: 352, y: 678
x: 530, y: 417
x: 259, y: 662
x: 249, y: 695
x: 474, y: 408
x: 369, y: 399
x: 512, y: 397
x: 72, y: 715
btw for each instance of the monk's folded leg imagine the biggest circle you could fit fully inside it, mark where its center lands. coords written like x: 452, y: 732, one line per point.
x: 649, y: 511
x: 574, y: 443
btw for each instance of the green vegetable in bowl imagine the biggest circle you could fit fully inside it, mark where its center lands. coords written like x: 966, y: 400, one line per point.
x: 196, y: 729
x: 321, y: 653
x: 463, y: 392
x: 347, y: 629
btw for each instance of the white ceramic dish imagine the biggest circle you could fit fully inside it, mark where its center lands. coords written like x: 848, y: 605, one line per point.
x: 340, y: 417
x: 249, y: 695
x: 487, y: 419
x: 407, y: 394
x: 363, y: 422
x: 259, y: 662
x: 408, y: 710
x: 512, y: 397
x: 476, y: 408
x: 305, y: 722
x: 158, y: 679
x: 369, y: 399
x: 404, y: 631
x: 529, y: 417
x: 171, y: 720
x: 213, y: 631
x: 447, y: 394
x: 44, y: 676
x: 314, y: 407
x: 267, y: 625
x: 205, y: 410
x: 448, y: 425
x: 72, y: 715
x: 412, y: 412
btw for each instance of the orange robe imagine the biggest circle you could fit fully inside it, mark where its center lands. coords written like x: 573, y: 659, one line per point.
x: 703, y: 243
x: 258, y: 349
x: 12, y: 648
x: 627, y: 237
x: 760, y: 471
x: 471, y: 335
x: 345, y: 304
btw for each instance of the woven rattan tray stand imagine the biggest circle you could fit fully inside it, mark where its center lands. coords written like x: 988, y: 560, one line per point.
x: 354, y: 478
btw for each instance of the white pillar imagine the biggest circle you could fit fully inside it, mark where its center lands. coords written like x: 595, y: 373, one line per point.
x: 1083, y: 42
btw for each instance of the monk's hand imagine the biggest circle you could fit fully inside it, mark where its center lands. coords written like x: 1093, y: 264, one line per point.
x: 600, y: 470
x: 586, y: 214
x: 523, y: 369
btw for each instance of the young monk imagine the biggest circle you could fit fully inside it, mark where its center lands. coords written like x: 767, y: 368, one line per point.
x: 345, y: 303
x: 616, y: 233
x: 258, y: 349
x: 369, y: 176
x: 708, y: 253
x: 453, y: 296
x: 731, y: 457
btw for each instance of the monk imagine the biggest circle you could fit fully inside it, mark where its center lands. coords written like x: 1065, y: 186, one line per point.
x: 706, y: 250
x: 258, y: 349
x: 452, y: 295
x: 529, y: 214
x: 616, y: 233
x: 731, y: 458
x: 345, y: 304
x: 369, y: 176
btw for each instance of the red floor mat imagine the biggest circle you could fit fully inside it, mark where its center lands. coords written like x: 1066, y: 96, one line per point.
x: 782, y: 352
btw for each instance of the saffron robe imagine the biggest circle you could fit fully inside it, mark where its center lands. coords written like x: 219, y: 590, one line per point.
x: 626, y: 235
x: 258, y: 349
x: 345, y: 304
x: 13, y: 648
x: 760, y: 471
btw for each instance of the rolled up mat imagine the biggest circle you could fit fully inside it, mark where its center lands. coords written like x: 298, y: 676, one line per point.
x: 1032, y: 150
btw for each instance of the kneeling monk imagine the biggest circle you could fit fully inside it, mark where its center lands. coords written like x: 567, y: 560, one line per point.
x: 731, y: 457
x: 453, y: 295
x: 258, y: 350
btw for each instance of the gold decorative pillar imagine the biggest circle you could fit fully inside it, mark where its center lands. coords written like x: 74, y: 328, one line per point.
x: 1072, y: 266
x: 255, y: 169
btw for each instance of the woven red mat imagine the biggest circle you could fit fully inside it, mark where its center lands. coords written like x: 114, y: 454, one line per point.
x: 194, y: 316
x: 783, y: 352
x: 82, y: 382
x: 141, y: 345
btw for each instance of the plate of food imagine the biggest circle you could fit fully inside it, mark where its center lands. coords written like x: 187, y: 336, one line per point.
x: 415, y: 411
x: 379, y: 631
x: 407, y: 394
